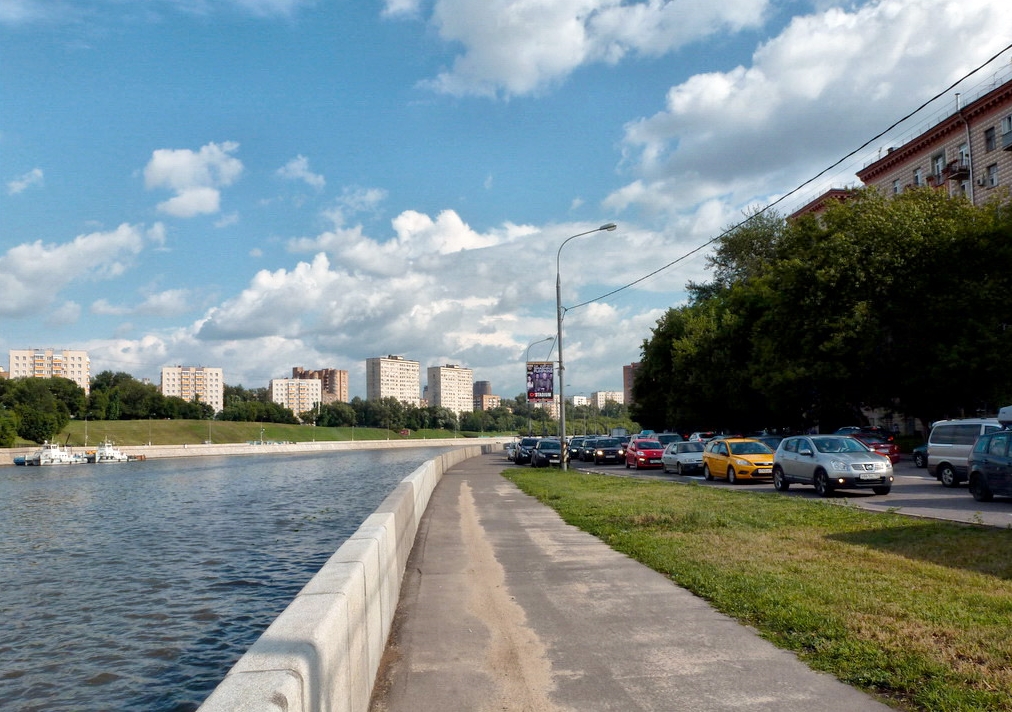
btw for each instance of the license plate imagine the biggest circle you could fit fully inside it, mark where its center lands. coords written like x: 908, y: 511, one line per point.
x: 868, y: 476
x: 655, y: 462
x: 765, y: 470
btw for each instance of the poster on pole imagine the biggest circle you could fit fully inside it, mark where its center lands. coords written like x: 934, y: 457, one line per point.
x: 540, y: 380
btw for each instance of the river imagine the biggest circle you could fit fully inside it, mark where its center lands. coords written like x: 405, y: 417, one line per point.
x: 137, y: 586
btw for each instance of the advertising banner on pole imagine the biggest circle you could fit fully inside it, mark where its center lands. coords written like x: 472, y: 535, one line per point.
x: 540, y: 380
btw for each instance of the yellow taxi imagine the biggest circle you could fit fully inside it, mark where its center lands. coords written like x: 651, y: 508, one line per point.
x: 737, y: 459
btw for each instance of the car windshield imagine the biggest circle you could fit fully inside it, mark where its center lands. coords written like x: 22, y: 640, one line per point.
x: 872, y: 438
x: 750, y: 448
x: 838, y: 445
x: 649, y: 445
x: 529, y: 442
x: 690, y: 447
x: 606, y: 442
x: 548, y: 445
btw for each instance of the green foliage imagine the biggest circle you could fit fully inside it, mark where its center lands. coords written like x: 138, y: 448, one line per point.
x: 893, y: 303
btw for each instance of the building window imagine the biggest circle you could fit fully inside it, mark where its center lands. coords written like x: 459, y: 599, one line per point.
x: 937, y: 164
x: 918, y: 177
x: 990, y: 142
x: 992, y: 175
x: 1006, y: 124
x: 896, y: 186
x: 964, y: 155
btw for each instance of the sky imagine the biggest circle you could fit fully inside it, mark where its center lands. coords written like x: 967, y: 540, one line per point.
x: 261, y: 184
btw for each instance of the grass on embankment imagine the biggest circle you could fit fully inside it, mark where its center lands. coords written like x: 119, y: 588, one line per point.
x: 918, y: 611
x: 178, y: 432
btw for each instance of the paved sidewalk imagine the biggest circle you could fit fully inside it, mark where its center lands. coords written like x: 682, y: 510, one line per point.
x: 506, y: 607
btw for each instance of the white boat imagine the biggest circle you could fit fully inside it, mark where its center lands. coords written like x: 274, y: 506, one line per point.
x: 53, y: 454
x: 108, y: 453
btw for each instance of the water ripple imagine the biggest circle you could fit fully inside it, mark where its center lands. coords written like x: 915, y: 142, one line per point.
x: 137, y: 586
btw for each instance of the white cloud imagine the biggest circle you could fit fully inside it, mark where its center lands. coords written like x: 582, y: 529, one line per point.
x: 516, y: 47
x: 196, y: 177
x: 31, y: 178
x: 32, y: 275
x: 819, y: 89
x: 401, y: 8
x: 298, y: 169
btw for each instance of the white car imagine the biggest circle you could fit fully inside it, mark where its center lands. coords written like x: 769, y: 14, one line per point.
x: 683, y: 457
x: 830, y: 462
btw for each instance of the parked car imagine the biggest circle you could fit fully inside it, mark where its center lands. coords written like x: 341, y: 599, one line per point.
x: 701, y: 436
x: 737, y: 459
x: 547, y: 452
x: 880, y: 445
x: 770, y: 441
x: 867, y: 429
x: 830, y: 462
x: 511, y: 450
x: 682, y: 457
x: 666, y: 439
x: 920, y: 455
x: 643, y: 453
x: 990, y: 466
x: 606, y: 450
x: 949, y: 446
x: 576, y: 447
x: 524, y: 448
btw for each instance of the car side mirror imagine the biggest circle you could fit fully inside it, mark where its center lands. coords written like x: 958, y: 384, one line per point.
x: 807, y: 452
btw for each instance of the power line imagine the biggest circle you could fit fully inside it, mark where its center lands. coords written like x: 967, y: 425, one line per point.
x: 798, y: 188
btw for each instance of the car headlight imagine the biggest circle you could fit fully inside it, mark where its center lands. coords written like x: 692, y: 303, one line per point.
x: 743, y: 463
x: 839, y: 465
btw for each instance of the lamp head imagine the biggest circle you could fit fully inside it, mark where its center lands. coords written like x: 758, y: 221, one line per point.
x: 608, y: 226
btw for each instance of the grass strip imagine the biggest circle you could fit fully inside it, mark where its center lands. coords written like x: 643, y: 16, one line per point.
x: 916, y: 611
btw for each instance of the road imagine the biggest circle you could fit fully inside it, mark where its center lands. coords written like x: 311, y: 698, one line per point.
x: 915, y: 493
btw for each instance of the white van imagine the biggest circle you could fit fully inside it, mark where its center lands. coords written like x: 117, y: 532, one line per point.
x: 949, y: 446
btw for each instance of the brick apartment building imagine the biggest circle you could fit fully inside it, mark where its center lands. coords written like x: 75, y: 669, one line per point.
x: 333, y: 383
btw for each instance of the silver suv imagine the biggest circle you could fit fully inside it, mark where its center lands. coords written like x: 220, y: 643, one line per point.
x: 949, y: 446
x: 830, y: 462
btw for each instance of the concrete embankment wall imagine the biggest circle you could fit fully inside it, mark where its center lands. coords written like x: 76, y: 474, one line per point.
x: 322, y: 653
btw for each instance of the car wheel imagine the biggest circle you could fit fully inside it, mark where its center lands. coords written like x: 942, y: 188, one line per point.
x: 947, y: 474
x: 678, y: 469
x: 780, y: 483
x: 664, y: 467
x: 707, y: 475
x: 920, y: 460
x: 822, y: 486
x: 881, y: 490
x: 979, y: 489
x: 732, y: 478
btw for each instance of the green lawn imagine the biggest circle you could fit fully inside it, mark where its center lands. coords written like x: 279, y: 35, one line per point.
x: 177, y: 432
x: 916, y: 611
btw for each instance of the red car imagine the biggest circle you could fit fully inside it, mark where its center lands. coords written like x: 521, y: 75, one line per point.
x: 879, y: 444
x: 643, y: 452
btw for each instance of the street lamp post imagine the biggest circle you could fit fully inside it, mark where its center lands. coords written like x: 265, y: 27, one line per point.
x: 527, y: 357
x: 558, y: 315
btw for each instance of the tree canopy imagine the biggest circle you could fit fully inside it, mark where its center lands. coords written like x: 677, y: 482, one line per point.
x: 880, y: 302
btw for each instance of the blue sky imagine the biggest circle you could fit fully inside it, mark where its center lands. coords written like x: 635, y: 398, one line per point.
x: 261, y: 184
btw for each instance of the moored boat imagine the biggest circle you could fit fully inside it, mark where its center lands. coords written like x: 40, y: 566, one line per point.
x: 108, y: 453
x: 54, y: 454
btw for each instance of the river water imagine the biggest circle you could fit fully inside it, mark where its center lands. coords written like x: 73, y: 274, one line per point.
x: 137, y: 586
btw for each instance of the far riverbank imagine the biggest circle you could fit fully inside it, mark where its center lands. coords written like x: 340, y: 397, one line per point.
x: 267, y: 448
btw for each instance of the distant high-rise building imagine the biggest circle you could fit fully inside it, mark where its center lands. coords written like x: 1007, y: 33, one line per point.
x: 392, y: 377
x: 334, y: 383
x: 599, y: 398
x: 482, y: 388
x: 487, y: 402
x: 628, y: 374
x: 52, y: 363
x: 301, y: 395
x: 194, y: 383
x: 451, y: 387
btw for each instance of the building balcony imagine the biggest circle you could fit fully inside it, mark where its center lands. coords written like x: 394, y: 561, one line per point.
x: 957, y: 170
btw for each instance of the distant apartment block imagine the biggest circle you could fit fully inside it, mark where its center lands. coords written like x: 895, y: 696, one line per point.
x: 968, y: 153
x: 393, y: 377
x: 486, y: 402
x: 600, y: 398
x: 333, y: 383
x: 52, y: 363
x: 451, y: 387
x: 577, y: 401
x: 194, y: 383
x: 300, y: 395
x: 628, y: 374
